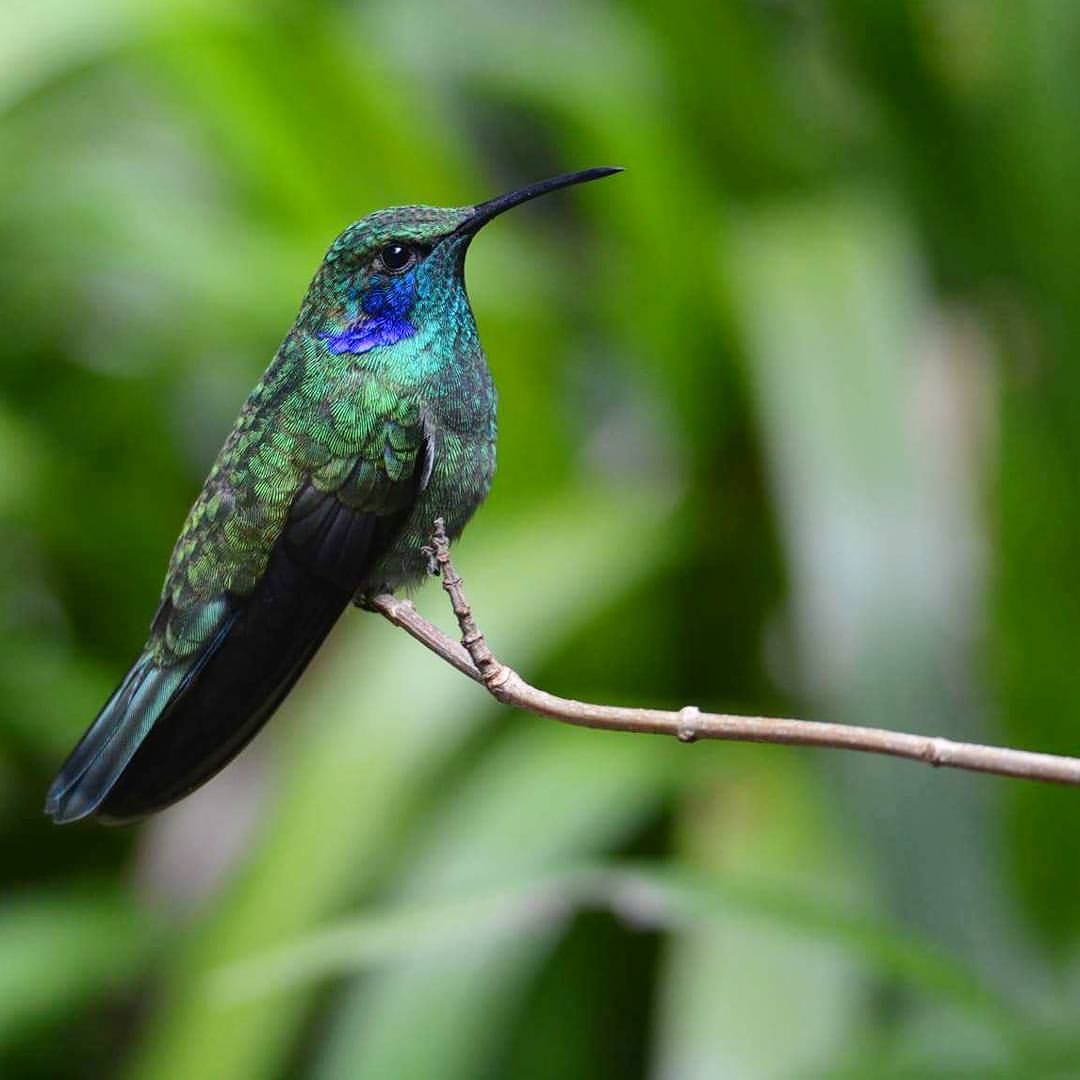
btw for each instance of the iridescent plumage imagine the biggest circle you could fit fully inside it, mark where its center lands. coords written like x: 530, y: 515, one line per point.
x: 376, y: 416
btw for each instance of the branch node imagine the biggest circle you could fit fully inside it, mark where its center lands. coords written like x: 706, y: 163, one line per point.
x: 687, y: 731
x: 937, y: 751
x: 498, y: 678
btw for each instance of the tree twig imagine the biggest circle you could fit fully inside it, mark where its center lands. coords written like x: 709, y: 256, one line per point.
x: 474, y: 658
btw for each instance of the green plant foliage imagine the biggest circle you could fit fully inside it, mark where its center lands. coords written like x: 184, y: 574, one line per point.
x: 788, y: 425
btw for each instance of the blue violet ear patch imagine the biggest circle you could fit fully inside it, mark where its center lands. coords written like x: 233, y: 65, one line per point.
x: 383, y: 319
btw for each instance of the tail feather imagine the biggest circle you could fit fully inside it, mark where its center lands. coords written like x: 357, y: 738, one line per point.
x: 112, y: 740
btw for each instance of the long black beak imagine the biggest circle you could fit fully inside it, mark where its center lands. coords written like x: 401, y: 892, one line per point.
x: 485, y: 211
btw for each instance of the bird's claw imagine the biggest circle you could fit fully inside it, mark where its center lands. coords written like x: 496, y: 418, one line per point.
x: 432, y: 560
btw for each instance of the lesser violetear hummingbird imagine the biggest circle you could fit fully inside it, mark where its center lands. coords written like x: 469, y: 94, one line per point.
x: 376, y: 416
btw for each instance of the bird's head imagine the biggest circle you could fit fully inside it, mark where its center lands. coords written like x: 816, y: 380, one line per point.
x: 400, y: 272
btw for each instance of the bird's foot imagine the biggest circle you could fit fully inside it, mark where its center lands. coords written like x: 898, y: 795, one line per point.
x: 433, y: 567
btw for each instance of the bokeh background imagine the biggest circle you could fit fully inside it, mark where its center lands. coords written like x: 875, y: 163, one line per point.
x: 790, y: 424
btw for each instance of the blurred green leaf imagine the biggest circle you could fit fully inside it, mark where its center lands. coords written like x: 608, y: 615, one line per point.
x: 863, y: 394
x: 665, y: 897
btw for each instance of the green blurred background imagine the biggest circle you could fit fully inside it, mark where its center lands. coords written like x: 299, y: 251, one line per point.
x: 789, y: 424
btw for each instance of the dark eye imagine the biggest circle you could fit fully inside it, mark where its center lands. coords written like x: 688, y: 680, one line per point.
x: 397, y: 257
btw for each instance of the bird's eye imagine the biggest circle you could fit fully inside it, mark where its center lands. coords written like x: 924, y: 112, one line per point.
x: 396, y: 257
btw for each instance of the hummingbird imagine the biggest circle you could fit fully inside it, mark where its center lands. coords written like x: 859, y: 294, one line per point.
x: 375, y: 417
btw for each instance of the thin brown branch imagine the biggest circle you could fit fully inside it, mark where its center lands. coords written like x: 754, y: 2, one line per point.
x: 474, y: 658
